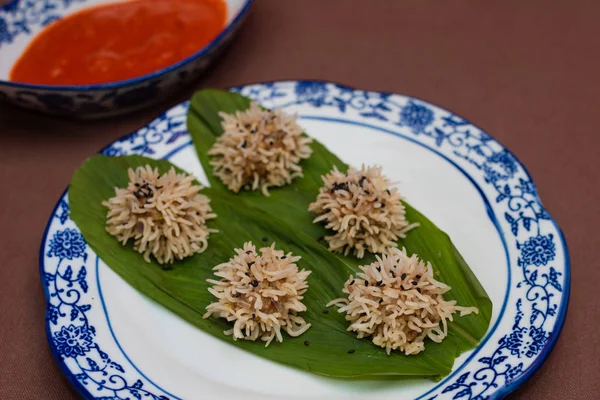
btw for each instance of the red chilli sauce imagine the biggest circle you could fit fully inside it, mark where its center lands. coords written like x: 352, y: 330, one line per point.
x: 119, y: 41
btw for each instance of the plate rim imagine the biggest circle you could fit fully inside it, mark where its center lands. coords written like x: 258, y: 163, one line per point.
x: 501, y: 392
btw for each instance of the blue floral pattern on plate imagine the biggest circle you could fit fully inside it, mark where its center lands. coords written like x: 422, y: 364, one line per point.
x: 416, y: 116
x: 538, y: 256
x: 72, y: 337
x: 68, y: 244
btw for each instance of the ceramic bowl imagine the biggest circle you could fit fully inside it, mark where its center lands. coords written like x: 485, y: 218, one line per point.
x: 22, y: 20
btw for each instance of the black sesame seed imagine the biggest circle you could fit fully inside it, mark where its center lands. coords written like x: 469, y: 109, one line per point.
x: 159, y: 187
x: 418, y: 276
x: 253, y: 315
x: 254, y: 283
x: 367, y: 192
x: 244, y: 144
x: 249, y: 252
x: 228, y: 170
x: 246, y: 273
x: 351, y: 351
x: 378, y: 269
x: 137, y: 185
x: 393, y: 274
x: 366, y: 283
x: 403, y: 276
x: 379, y: 283
x: 306, y: 343
x: 339, y: 186
x: 197, y: 212
x: 419, y: 290
x: 388, y: 191
x: 283, y: 257
x: 362, y: 180
x: 352, y: 283
x: 251, y: 263
x: 325, y: 311
x: 414, y: 282
x: 264, y: 239
x: 376, y: 199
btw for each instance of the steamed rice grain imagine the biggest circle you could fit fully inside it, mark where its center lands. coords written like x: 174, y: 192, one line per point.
x: 164, y: 215
x: 398, y: 304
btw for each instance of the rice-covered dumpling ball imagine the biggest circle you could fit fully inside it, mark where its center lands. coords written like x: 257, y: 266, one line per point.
x: 164, y: 214
x: 397, y: 302
x: 362, y: 209
x: 260, y: 293
x: 259, y: 149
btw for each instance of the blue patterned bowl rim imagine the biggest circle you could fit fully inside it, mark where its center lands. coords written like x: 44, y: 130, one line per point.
x: 113, y: 85
x: 500, y: 393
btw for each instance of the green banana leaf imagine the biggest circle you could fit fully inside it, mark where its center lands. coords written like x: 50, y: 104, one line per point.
x: 291, y: 202
x: 282, y: 218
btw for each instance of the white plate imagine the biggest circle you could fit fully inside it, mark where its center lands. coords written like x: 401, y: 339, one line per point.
x: 113, y: 342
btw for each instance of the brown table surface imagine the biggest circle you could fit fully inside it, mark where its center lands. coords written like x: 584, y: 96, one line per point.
x: 526, y: 72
